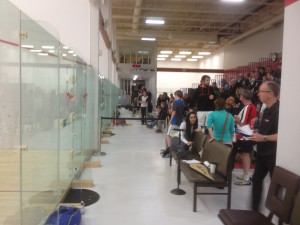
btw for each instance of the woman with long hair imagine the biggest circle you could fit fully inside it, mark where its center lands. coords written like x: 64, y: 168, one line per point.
x: 188, y: 128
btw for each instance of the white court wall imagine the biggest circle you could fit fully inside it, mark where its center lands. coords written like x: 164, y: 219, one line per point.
x: 289, y: 119
x: 72, y: 21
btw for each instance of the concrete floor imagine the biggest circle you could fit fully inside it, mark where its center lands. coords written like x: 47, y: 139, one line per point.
x: 134, y: 184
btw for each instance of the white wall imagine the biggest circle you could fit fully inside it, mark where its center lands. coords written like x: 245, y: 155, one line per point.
x: 259, y: 45
x: 170, y: 81
x: 214, y: 61
x: 72, y: 21
x: 289, y: 120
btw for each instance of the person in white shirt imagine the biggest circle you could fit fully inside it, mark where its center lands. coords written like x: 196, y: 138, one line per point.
x: 144, y: 105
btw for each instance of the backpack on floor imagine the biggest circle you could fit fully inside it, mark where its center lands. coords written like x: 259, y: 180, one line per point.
x: 65, y: 215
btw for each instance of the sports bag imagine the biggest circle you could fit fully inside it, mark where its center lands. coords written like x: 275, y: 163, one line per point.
x: 65, y: 215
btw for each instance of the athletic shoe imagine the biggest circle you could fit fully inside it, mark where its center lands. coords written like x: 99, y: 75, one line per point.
x: 243, y: 182
x: 165, y: 153
x: 158, y: 131
x: 166, y: 156
x: 240, y: 177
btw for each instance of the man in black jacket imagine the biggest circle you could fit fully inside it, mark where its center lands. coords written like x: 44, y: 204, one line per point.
x: 203, y: 98
x: 266, y: 139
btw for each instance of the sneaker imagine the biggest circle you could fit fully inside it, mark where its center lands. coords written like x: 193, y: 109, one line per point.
x: 166, y: 152
x: 243, y: 182
x: 158, y: 131
x: 166, y: 156
x: 240, y: 177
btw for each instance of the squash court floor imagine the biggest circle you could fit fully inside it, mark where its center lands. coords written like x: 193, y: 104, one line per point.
x: 134, y: 184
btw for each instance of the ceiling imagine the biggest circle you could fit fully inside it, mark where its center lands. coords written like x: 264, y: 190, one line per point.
x: 194, y: 25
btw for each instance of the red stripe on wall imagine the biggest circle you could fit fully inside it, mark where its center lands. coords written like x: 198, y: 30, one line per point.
x: 289, y: 2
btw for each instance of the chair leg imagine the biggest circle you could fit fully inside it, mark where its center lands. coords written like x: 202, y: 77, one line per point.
x: 195, y: 198
x: 229, y: 197
x: 170, y: 158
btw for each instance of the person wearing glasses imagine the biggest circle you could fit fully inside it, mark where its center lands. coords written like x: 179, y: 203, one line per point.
x: 266, y: 139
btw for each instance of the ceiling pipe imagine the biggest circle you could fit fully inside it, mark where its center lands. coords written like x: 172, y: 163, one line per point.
x: 136, y: 15
x: 258, y: 28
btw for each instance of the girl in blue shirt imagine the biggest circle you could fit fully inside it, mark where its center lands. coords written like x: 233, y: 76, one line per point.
x: 216, y: 121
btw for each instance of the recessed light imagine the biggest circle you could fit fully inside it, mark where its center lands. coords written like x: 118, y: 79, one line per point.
x: 47, y: 47
x: 166, y: 52
x: 185, y: 52
x: 148, y: 39
x: 155, y: 21
x: 204, y: 53
x: 197, y: 56
x: 27, y: 46
x: 36, y: 50
x: 176, y: 59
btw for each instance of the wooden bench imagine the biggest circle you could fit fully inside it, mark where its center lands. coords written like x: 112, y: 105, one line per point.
x: 221, y: 155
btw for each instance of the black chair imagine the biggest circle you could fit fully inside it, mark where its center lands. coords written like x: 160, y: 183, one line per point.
x: 281, y: 195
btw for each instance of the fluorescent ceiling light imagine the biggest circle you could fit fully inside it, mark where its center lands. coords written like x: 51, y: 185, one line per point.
x: 135, y: 77
x: 233, y: 0
x: 166, y: 52
x: 185, y: 52
x: 180, y: 56
x: 27, y: 46
x: 162, y: 56
x: 148, y: 39
x: 204, y: 53
x: 155, y: 21
x: 74, y: 54
x: 47, y: 47
x: 51, y: 51
x: 197, y: 56
x: 192, y: 60
x: 143, y: 52
x: 43, y: 54
x: 35, y: 50
x: 65, y: 47
x: 176, y: 59
x: 71, y: 52
x: 161, y: 59
x: 64, y: 54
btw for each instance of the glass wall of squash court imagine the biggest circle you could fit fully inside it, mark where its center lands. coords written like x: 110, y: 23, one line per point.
x: 48, y: 116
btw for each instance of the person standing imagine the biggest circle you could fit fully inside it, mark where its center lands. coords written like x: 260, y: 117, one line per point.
x: 203, y: 98
x: 244, y: 146
x: 144, y: 105
x: 266, y: 139
x: 220, y: 123
x: 175, y: 120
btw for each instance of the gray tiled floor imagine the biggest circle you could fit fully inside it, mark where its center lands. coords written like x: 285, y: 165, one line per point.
x: 134, y: 184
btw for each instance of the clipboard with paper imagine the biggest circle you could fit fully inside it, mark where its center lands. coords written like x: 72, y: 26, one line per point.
x: 202, y: 169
